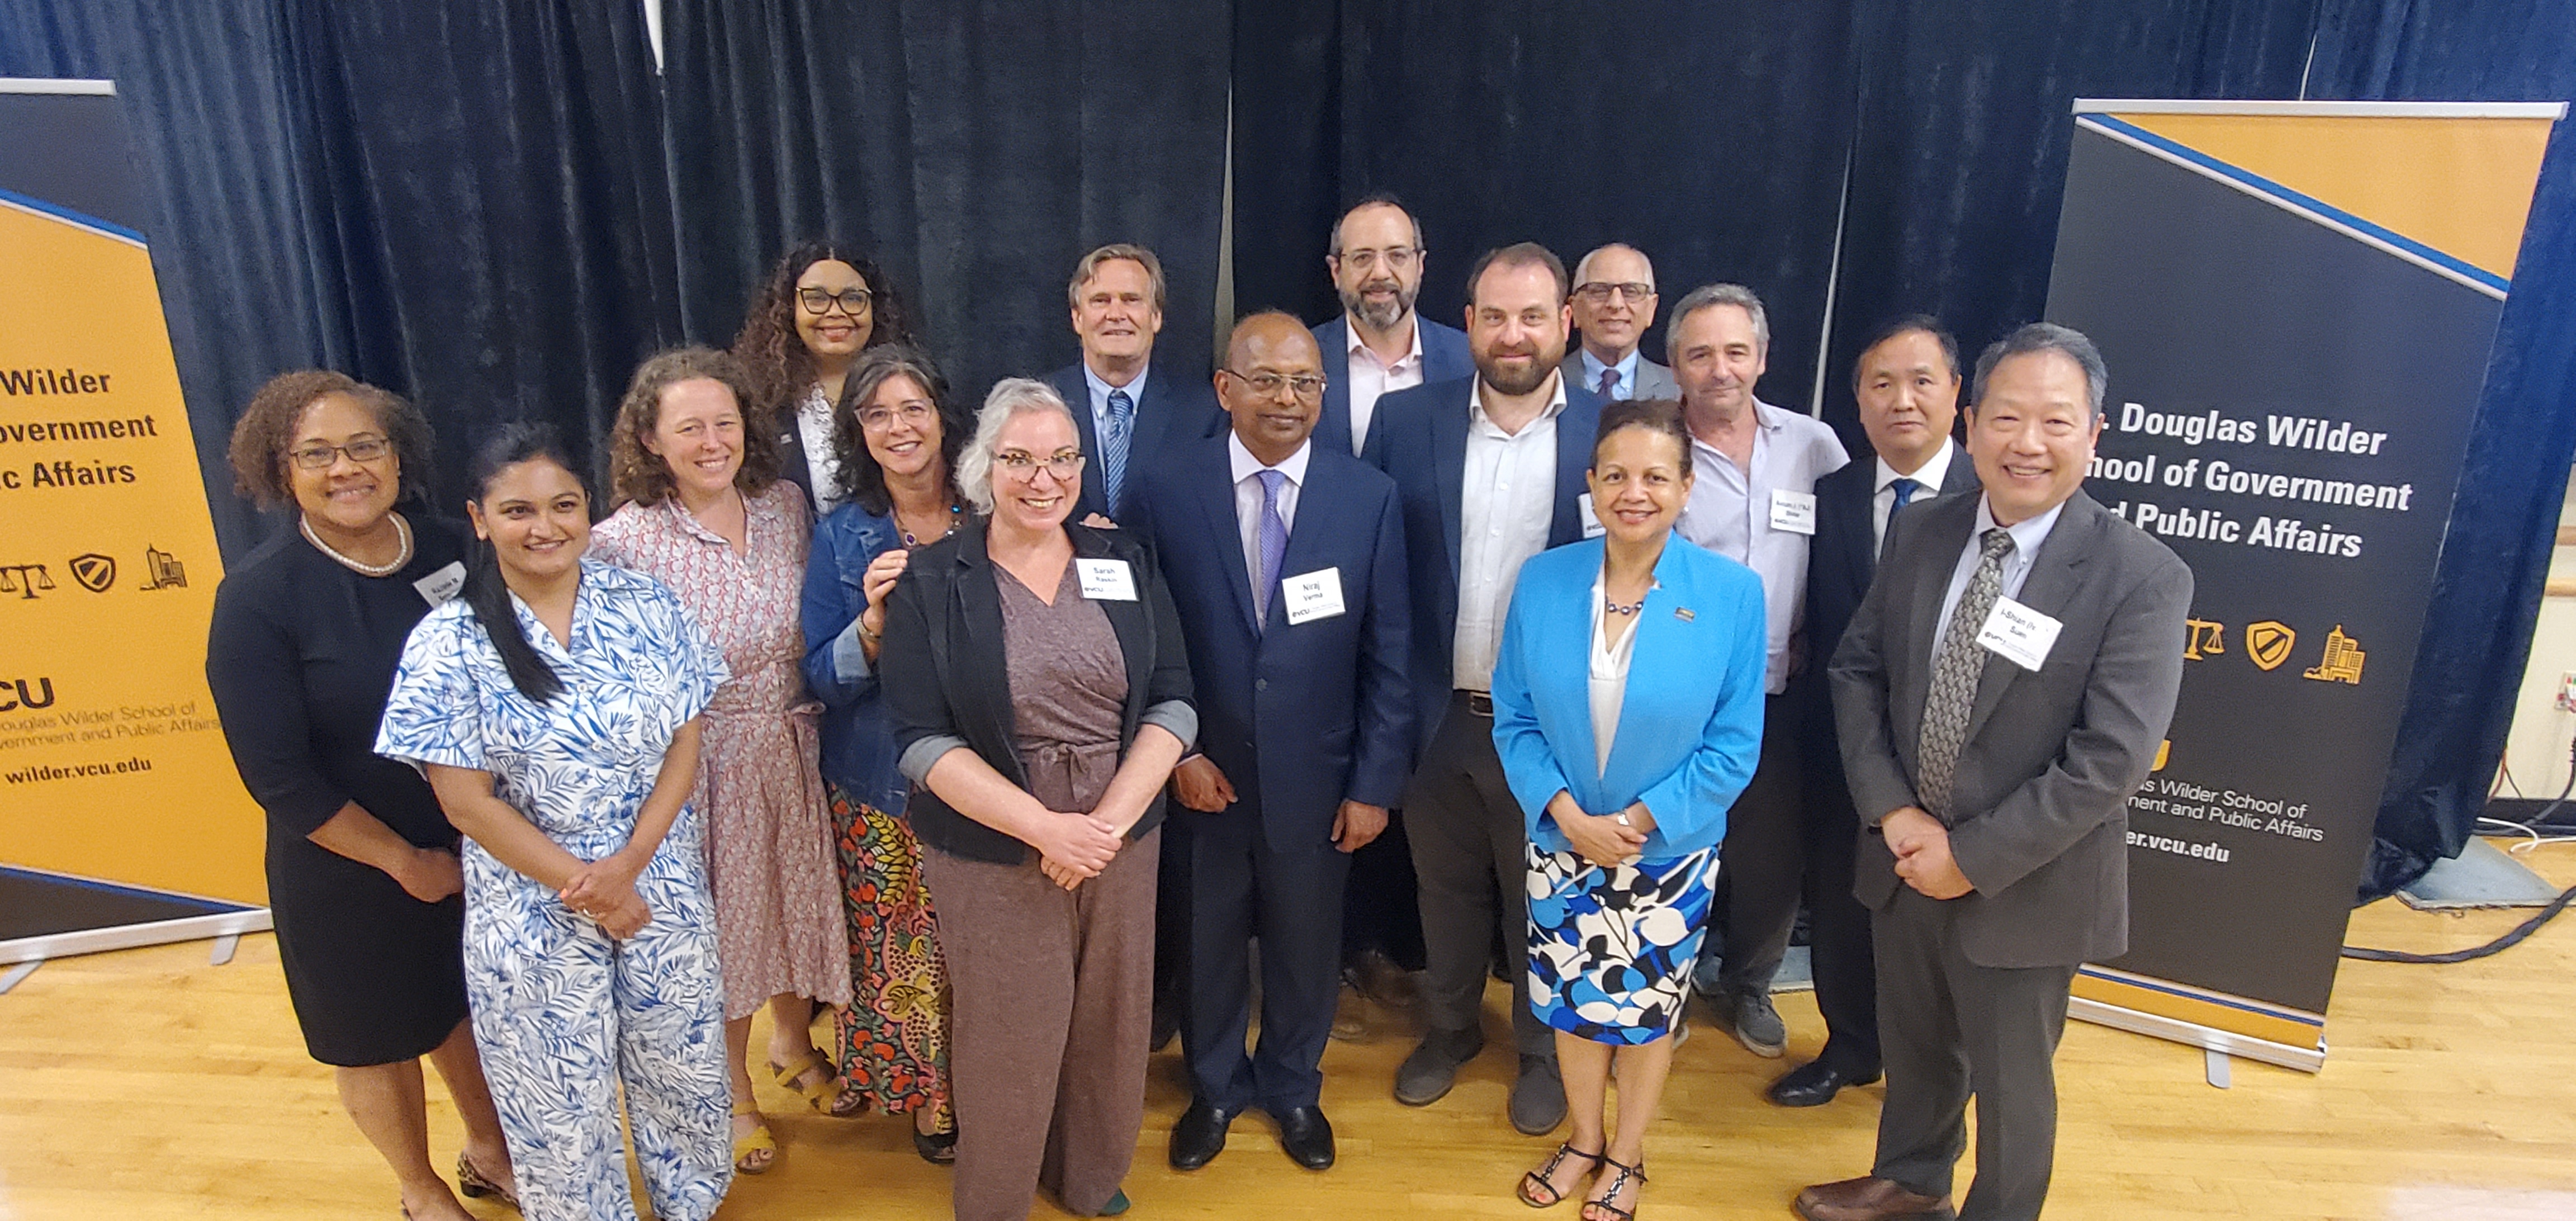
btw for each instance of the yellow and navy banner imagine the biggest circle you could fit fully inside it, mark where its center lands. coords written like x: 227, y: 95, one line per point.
x: 2297, y: 302
x: 112, y: 766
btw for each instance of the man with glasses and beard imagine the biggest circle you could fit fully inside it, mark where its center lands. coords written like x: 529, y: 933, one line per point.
x: 1490, y: 470
x: 1379, y: 345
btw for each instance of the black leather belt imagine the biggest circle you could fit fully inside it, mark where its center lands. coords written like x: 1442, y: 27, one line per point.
x: 1480, y: 703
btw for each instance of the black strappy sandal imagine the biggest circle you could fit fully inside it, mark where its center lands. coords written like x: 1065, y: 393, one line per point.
x: 1602, y: 1209
x: 1540, y: 1179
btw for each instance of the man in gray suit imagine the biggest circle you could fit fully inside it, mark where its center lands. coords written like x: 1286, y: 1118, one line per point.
x: 1614, y: 304
x: 2001, y: 692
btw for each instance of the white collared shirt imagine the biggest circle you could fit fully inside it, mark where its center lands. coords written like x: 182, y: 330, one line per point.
x: 2026, y: 535
x: 1247, y: 499
x: 1372, y: 378
x: 814, y: 428
x: 1627, y: 367
x: 1882, y: 500
x: 1729, y: 512
x: 1507, y: 502
x: 1135, y: 389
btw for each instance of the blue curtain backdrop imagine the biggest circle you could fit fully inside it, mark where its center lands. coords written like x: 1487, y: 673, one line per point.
x: 498, y: 209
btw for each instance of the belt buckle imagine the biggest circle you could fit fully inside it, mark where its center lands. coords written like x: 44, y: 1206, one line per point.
x: 1481, y: 703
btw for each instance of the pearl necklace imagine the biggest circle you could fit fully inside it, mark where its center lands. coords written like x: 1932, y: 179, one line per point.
x: 1620, y: 609
x: 401, y: 528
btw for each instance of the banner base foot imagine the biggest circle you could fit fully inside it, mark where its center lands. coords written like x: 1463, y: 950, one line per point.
x: 2216, y: 1041
x: 2218, y: 1069
x: 18, y: 973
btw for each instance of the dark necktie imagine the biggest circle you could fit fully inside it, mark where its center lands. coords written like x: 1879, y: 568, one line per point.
x: 1274, y: 543
x: 1113, y: 448
x: 1906, y: 488
x: 1609, y: 382
x: 1954, y: 678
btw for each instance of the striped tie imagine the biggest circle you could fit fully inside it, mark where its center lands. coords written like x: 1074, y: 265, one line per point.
x: 1113, y: 448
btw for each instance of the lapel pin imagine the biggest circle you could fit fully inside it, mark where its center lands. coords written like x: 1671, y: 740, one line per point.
x: 1684, y: 614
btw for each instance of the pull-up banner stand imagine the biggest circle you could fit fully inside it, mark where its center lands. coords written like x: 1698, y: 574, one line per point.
x: 2297, y: 302
x: 122, y: 821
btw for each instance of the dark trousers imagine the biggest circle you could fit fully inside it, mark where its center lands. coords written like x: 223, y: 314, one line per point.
x: 1239, y: 888
x: 1950, y: 1029
x: 1838, y: 932
x: 1763, y: 860
x: 1469, y: 846
x: 1380, y: 909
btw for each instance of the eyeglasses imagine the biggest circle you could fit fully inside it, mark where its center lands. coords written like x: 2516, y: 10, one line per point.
x: 878, y: 419
x: 1267, y: 384
x: 1599, y: 293
x: 1022, y: 465
x: 1397, y: 258
x: 320, y: 457
x: 853, y: 301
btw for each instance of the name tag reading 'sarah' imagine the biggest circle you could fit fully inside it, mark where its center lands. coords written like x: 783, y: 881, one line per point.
x: 2022, y: 635
x: 1106, y: 580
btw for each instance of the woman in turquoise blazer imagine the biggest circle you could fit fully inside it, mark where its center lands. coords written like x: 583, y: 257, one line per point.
x: 1628, y: 714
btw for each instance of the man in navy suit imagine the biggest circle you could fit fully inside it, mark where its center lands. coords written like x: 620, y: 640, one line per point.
x: 1907, y: 384
x: 1126, y: 410
x: 1379, y: 345
x: 1489, y: 469
x: 1286, y: 561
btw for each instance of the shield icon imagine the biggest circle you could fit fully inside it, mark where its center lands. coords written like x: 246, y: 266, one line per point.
x: 2268, y: 643
x: 95, y: 572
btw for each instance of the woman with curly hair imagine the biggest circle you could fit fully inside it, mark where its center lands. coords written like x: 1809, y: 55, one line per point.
x: 701, y: 508
x: 897, y: 436
x: 822, y: 305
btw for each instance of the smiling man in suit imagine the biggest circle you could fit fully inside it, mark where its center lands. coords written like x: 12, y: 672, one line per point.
x: 1286, y: 561
x: 1614, y: 304
x: 2000, y: 693
x: 1126, y: 410
x: 1379, y: 345
x: 1489, y: 470
x: 1907, y: 384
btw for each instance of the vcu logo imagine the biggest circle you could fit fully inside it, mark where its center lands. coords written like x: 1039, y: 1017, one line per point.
x: 95, y: 572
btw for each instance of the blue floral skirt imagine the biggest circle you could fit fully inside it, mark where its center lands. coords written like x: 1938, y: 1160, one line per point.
x: 1610, y: 950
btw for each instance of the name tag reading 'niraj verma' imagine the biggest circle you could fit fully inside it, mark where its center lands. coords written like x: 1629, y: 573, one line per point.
x: 1313, y: 595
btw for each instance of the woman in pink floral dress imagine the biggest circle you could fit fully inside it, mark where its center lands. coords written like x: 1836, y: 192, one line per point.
x: 701, y: 508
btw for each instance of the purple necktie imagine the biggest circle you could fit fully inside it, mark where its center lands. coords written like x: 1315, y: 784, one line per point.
x: 1274, y: 542
x: 1609, y: 382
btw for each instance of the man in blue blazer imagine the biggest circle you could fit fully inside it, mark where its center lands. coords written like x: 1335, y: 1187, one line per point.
x: 1126, y: 410
x: 1378, y: 345
x: 1286, y: 561
x: 1907, y: 385
x: 1489, y: 470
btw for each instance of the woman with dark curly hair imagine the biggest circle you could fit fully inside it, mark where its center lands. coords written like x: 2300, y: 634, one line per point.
x: 897, y: 436
x: 822, y: 305
x: 363, y: 878
x: 702, y: 509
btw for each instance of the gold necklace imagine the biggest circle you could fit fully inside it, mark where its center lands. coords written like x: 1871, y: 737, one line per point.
x: 402, y: 529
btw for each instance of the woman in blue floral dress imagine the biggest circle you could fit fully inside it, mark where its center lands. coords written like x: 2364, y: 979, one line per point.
x: 554, y: 708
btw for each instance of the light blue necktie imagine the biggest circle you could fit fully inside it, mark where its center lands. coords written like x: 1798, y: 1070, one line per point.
x: 1274, y: 543
x: 1113, y: 448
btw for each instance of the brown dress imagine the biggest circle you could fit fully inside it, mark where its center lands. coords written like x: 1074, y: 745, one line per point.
x: 1051, y: 987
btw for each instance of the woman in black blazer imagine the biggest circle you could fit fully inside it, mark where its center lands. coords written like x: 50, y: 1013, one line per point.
x: 1040, y: 695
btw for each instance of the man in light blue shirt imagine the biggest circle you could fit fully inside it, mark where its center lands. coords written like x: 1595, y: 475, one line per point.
x: 1614, y: 306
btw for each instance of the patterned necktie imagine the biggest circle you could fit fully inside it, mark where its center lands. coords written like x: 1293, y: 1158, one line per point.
x: 1609, y: 382
x: 1274, y: 543
x: 1954, y: 678
x: 1905, y: 491
x: 1113, y: 448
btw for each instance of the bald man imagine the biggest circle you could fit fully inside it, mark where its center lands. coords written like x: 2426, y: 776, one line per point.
x: 1614, y: 307
x: 1286, y: 561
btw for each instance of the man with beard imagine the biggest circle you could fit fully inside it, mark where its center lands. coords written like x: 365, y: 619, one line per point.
x: 1378, y: 345
x: 1489, y: 470
x: 1614, y: 303
x: 1754, y: 502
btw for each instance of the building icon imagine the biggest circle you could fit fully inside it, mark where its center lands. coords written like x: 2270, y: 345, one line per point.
x: 2342, y: 662
x: 162, y: 570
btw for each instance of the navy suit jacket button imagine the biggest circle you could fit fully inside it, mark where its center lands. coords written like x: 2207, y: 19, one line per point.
x: 1261, y: 684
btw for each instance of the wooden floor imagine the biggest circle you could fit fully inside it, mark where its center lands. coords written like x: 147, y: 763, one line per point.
x: 146, y: 1084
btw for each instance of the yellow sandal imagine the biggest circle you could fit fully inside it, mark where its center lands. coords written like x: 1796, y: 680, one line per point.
x: 828, y: 1096
x: 758, y: 1142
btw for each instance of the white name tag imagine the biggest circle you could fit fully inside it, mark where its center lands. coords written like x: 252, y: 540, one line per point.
x: 1106, y: 580
x: 441, y: 585
x: 1592, y: 527
x: 1313, y: 595
x: 2021, y: 635
x: 1794, y: 512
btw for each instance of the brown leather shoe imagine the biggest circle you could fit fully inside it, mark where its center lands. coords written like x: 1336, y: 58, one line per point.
x: 1870, y: 1198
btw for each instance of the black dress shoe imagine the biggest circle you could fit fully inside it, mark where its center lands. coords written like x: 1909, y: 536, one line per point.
x: 1199, y: 1136
x: 1306, y: 1136
x: 1812, y: 1084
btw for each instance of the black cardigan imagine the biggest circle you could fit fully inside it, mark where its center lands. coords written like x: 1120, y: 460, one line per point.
x: 944, y: 675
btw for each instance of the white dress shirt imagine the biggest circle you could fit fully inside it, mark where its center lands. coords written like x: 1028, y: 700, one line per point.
x: 1882, y: 501
x: 1507, y: 502
x: 814, y: 428
x: 1627, y: 367
x: 1729, y: 512
x: 2026, y: 536
x: 1609, y: 674
x: 1371, y: 378
x: 1247, y: 500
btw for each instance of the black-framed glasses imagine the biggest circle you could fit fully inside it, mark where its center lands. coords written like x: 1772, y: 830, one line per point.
x: 1020, y: 464
x: 853, y: 301
x: 1599, y: 292
x: 1268, y: 384
x: 320, y: 457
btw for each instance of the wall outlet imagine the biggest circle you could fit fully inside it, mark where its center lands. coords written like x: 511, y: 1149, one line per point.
x: 2566, y: 700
